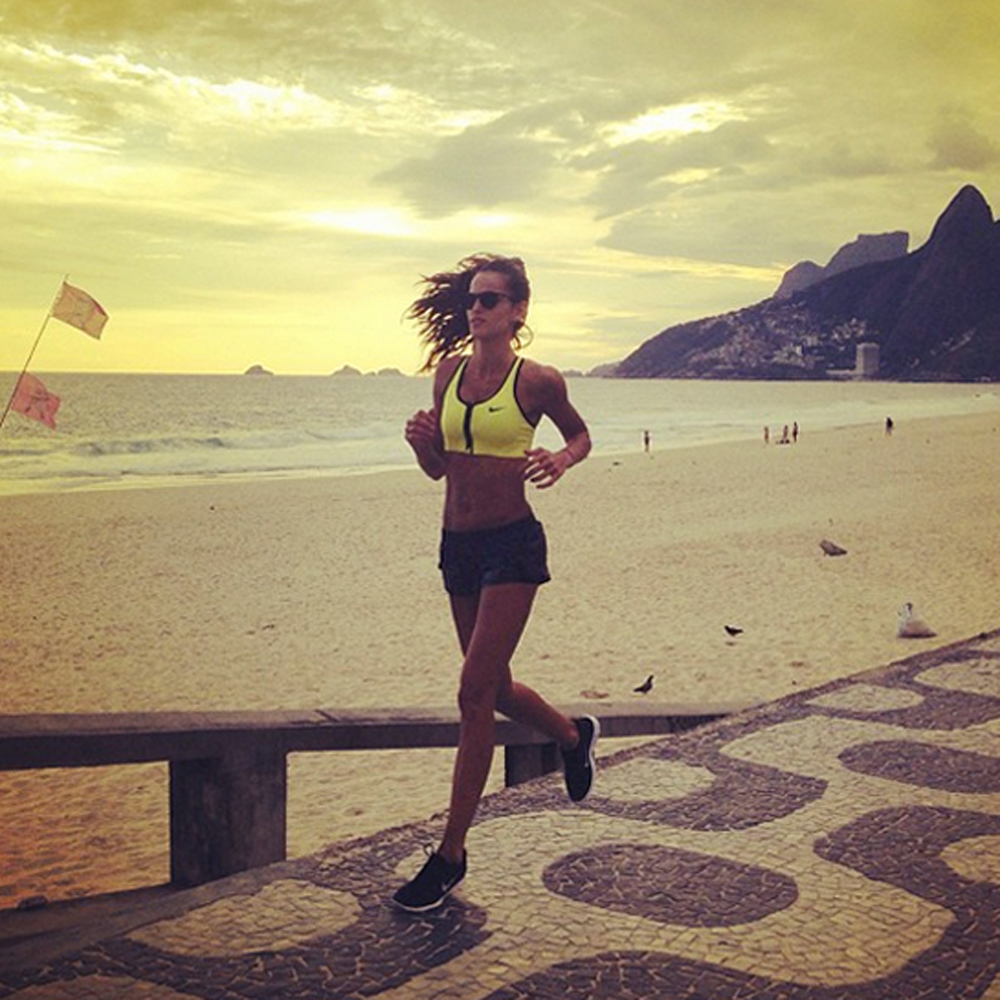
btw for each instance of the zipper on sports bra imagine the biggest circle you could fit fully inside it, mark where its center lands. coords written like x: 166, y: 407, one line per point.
x: 467, y: 425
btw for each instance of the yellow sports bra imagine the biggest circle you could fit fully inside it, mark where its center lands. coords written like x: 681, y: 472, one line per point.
x: 496, y: 426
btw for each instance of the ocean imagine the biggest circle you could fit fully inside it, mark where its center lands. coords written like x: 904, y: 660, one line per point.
x: 118, y: 431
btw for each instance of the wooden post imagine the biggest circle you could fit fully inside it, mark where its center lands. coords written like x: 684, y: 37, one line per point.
x: 529, y: 760
x: 227, y: 814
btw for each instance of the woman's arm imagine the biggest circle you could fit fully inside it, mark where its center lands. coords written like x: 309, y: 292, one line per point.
x: 423, y: 436
x: 423, y: 429
x: 548, y: 396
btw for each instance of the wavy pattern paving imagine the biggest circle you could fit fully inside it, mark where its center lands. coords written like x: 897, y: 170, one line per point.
x: 670, y: 885
x: 838, y: 844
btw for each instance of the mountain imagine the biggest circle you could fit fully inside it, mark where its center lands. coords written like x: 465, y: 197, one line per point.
x: 935, y: 314
x: 866, y: 249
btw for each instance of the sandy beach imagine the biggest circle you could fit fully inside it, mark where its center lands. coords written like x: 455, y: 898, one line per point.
x: 325, y: 593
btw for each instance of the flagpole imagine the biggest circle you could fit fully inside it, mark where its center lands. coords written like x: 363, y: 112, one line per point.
x: 31, y: 354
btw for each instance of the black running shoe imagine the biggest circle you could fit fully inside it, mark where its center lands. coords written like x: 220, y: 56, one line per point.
x: 579, y: 765
x: 431, y: 886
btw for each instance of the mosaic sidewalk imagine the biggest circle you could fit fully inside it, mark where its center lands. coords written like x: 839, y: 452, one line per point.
x: 840, y: 844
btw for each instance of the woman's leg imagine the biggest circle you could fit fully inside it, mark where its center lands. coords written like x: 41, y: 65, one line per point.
x: 489, y: 630
x: 463, y: 611
x: 515, y: 700
x: 524, y: 704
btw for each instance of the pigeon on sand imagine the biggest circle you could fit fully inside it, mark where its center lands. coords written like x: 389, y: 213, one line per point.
x: 911, y: 624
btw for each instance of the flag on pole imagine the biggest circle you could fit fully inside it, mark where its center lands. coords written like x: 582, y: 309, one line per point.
x: 33, y: 400
x: 76, y: 307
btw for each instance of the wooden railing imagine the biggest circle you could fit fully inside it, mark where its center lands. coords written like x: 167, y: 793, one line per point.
x: 228, y: 770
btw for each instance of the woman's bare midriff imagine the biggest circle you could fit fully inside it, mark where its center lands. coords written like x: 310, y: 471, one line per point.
x: 484, y: 492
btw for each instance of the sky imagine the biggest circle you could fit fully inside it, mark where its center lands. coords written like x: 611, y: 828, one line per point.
x: 244, y: 182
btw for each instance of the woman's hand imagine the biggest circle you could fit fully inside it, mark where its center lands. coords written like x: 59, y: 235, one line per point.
x: 545, y: 468
x: 421, y: 430
x: 422, y: 436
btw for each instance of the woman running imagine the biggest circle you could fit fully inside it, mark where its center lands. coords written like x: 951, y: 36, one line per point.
x: 479, y: 437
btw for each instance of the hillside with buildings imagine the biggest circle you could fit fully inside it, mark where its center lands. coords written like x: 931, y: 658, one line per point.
x: 931, y: 314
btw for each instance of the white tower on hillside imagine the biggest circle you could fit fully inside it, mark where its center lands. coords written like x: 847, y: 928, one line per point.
x: 866, y: 361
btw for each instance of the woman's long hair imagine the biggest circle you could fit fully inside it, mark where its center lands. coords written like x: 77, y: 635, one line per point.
x: 440, y: 312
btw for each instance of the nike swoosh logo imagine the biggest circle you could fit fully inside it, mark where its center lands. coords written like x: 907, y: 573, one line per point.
x: 496, y: 409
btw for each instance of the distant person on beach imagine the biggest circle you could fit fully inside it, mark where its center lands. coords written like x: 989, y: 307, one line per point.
x: 767, y: 434
x: 646, y: 439
x: 795, y: 432
x: 888, y: 426
x: 784, y: 435
x: 479, y: 438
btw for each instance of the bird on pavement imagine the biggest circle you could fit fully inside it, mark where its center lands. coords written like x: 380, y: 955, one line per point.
x: 645, y: 687
x: 732, y: 630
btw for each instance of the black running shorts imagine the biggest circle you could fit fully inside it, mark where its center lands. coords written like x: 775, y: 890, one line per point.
x: 514, y: 553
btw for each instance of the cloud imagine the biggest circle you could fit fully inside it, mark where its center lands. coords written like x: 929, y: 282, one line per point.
x: 485, y: 167
x: 957, y: 144
x: 745, y: 226
x: 111, y: 89
x: 26, y: 125
x: 854, y: 157
x: 634, y: 175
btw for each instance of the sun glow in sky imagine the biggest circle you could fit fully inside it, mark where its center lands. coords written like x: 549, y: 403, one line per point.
x: 263, y: 182
x: 676, y: 121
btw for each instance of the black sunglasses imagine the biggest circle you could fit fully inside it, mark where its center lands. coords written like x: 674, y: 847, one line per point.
x: 488, y: 300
